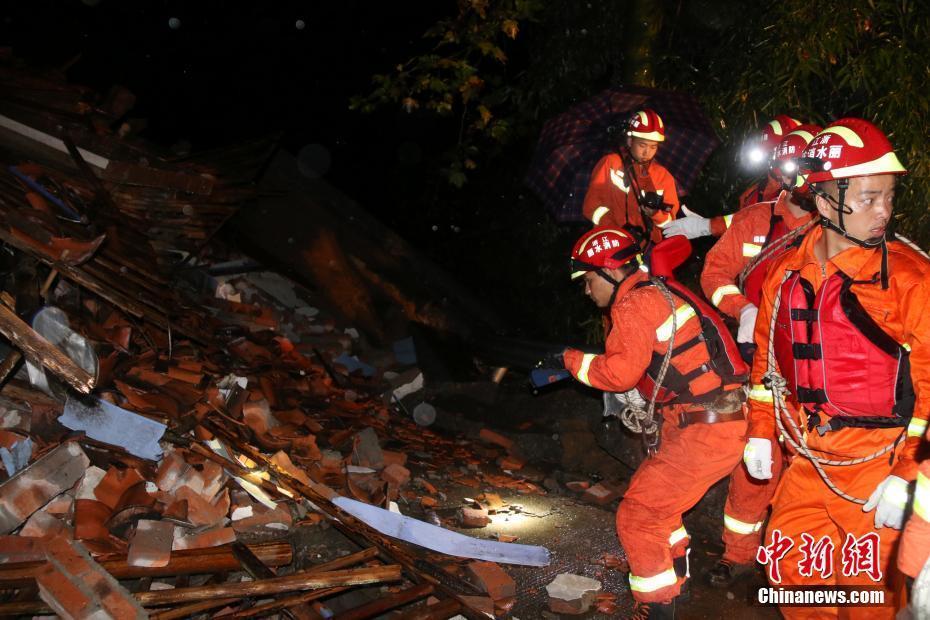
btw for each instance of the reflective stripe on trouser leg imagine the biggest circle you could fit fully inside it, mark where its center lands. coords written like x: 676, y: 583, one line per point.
x: 740, y: 527
x: 654, y: 582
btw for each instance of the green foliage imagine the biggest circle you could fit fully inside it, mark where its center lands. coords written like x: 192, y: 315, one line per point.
x: 463, y: 74
x: 816, y: 61
x: 498, y: 69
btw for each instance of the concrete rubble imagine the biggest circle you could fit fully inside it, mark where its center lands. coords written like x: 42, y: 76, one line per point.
x: 572, y: 594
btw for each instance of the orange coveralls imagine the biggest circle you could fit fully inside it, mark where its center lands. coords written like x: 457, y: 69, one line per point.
x: 610, y: 200
x: 689, y: 459
x: 752, y: 195
x: 915, y: 542
x: 803, y: 503
x: 748, y: 499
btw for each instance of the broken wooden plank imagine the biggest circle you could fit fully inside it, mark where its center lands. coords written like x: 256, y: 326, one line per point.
x: 185, y: 562
x: 300, y: 581
x: 126, y: 173
x: 279, y: 602
x: 41, y: 351
x: 322, y: 581
x: 386, y: 603
x: 442, y: 610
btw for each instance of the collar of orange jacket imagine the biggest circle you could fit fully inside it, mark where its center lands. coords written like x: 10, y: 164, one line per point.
x: 856, y: 262
x: 784, y: 211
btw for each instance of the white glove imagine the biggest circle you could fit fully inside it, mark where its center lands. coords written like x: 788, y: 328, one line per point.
x: 747, y: 323
x: 757, y: 455
x: 691, y: 226
x: 920, y: 594
x: 889, y: 498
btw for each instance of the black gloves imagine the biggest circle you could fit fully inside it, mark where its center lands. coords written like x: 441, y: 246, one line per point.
x: 552, y: 360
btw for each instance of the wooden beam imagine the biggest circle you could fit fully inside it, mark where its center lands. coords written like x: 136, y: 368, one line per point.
x: 185, y: 562
x: 299, y: 581
x: 40, y: 350
x: 386, y: 603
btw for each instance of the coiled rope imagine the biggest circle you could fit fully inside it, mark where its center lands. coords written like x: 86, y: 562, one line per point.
x: 642, y: 420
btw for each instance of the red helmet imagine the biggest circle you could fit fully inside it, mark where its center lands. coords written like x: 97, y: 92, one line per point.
x: 786, y: 154
x: 648, y: 125
x: 850, y: 147
x: 603, y: 247
x: 775, y: 130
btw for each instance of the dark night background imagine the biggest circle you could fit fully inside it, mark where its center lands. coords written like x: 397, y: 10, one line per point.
x: 211, y: 73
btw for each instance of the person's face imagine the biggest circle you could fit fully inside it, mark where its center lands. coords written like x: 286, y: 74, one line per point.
x: 642, y: 150
x: 871, y: 200
x: 598, y: 289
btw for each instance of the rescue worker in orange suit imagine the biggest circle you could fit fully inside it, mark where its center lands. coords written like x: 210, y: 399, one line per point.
x: 914, y: 549
x: 848, y: 343
x: 767, y: 188
x: 618, y: 198
x: 732, y: 280
x: 656, y: 323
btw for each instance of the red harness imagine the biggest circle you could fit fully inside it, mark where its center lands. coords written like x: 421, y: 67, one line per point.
x: 723, y: 356
x: 837, y: 359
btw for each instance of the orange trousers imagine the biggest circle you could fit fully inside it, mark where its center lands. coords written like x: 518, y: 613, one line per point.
x: 803, y: 504
x: 747, y: 506
x: 649, y: 524
x: 915, y: 541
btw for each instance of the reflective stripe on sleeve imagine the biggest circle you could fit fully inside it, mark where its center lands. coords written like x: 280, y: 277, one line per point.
x: 677, y: 536
x: 916, y: 428
x: 761, y: 393
x: 616, y: 177
x: 723, y: 291
x: 583, y: 370
x: 751, y: 249
x: 740, y: 527
x: 727, y: 220
x: 599, y: 213
x: 668, y: 220
x: 651, y: 584
x: 922, y: 497
x: 684, y: 312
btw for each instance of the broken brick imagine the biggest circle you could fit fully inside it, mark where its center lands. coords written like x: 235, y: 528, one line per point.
x: 604, y: 493
x: 20, y: 549
x: 151, y: 544
x: 391, y: 457
x: 511, y: 462
x: 75, y: 586
x: 491, y: 501
x: 396, y: 475
x: 474, y: 517
x: 578, y: 486
x: 33, y: 487
x: 202, y: 540
x: 492, y: 579
x: 490, y: 436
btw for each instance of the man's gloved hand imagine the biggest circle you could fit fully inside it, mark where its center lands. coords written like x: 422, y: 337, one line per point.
x: 757, y: 455
x: 889, y: 499
x: 554, y: 360
x: 691, y: 226
x: 747, y: 323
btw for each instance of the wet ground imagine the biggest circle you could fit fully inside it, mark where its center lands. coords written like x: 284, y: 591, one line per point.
x: 587, y: 532
x: 561, y: 435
